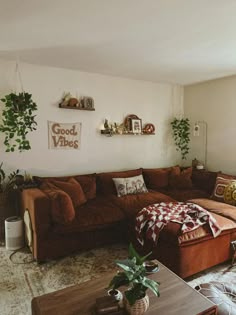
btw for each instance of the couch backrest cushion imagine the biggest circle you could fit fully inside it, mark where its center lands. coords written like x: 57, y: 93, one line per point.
x: 156, y: 178
x: 87, y: 182
x: 73, y: 189
x: 62, y: 209
x: 204, y: 180
x: 130, y: 185
x: 222, y: 181
x: 180, y: 179
x: 105, y: 184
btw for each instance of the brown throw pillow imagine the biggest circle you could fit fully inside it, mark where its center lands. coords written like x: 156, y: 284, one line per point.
x: 156, y: 178
x: 73, y: 189
x: 204, y: 180
x: 182, y: 180
x: 62, y: 209
x: 88, y: 184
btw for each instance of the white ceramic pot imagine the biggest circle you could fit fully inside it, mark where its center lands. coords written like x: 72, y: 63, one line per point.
x: 139, y: 307
x: 116, y: 294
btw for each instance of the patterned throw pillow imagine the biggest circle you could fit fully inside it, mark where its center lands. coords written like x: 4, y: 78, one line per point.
x: 221, y: 183
x: 130, y: 185
x: 230, y: 193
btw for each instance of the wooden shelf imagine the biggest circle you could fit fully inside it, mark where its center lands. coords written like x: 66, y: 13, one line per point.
x: 74, y: 107
x: 107, y: 133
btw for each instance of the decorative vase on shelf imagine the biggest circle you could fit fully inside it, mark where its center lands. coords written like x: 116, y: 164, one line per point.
x: 139, y: 307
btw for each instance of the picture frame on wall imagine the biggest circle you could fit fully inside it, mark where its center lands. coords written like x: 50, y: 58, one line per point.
x: 136, y: 125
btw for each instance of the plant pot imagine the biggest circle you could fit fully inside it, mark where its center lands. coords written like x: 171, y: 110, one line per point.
x: 116, y: 294
x: 139, y: 307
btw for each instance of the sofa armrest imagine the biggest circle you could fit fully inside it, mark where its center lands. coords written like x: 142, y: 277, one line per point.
x: 38, y: 205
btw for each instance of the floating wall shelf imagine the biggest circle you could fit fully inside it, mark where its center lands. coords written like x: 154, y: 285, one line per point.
x: 75, y: 107
x: 111, y: 133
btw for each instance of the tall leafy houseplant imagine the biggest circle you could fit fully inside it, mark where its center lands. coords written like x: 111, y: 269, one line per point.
x: 7, y: 185
x: 18, y: 120
x: 7, y: 182
x: 134, y: 276
x: 181, y: 134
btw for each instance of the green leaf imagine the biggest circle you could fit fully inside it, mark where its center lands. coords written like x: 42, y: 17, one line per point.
x: 18, y: 120
x: 132, y: 253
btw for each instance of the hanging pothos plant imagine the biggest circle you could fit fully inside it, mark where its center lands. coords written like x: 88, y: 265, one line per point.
x: 181, y: 134
x: 18, y: 120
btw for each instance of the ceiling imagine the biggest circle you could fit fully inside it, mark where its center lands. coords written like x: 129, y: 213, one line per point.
x: 174, y: 41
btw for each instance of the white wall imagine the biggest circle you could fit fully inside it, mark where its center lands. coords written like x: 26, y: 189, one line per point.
x: 114, y: 99
x: 215, y: 103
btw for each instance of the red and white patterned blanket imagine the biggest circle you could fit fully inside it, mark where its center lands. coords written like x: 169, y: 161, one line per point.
x: 151, y: 220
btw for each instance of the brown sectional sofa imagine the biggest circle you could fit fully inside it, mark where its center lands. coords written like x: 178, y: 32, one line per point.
x: 105, y: 218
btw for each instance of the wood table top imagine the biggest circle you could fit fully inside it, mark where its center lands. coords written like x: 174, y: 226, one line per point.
x: 176, y: 297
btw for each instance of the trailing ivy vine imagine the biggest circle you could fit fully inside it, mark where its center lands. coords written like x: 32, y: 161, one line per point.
x: 181, y: 134
x: 18, y: 120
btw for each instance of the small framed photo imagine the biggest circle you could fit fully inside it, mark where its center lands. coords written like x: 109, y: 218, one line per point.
x: 136, y: 125
x: 87, y: 103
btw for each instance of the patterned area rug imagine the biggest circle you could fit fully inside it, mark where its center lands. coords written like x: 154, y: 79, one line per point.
x: 21, y: 279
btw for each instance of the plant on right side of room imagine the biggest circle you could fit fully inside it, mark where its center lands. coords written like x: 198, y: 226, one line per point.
x: 181, y: 134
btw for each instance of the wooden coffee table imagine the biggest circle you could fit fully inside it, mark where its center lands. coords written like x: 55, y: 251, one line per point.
x: 177, y: 297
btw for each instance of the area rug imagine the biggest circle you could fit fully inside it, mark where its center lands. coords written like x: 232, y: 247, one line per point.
x: 21, y: 279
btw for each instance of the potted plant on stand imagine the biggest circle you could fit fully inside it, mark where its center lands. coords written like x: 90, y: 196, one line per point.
x: 136, y: 300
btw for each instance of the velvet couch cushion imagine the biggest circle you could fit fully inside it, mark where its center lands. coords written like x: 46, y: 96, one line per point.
x: 73, y: 189
x: 61, y: 207
x: 131, y: 204
x: 156, y: 178
x: 105, y: 184
x: 222, y: 209
x: 87, y: 182
x: 95, y: 214
x: 180, y: 179
x: 185, y: 194
x: 204, y: 180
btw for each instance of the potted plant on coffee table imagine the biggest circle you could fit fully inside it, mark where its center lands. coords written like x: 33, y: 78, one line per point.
x: 133, y: 275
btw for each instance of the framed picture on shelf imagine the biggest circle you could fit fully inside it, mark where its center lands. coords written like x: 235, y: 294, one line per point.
x: 87, y: 103
x: 136, y: 125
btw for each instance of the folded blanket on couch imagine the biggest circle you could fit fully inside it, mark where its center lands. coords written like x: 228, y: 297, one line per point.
x: 152, y: 219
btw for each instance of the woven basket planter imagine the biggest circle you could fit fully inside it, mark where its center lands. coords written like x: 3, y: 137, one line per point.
x: 139, y: 307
